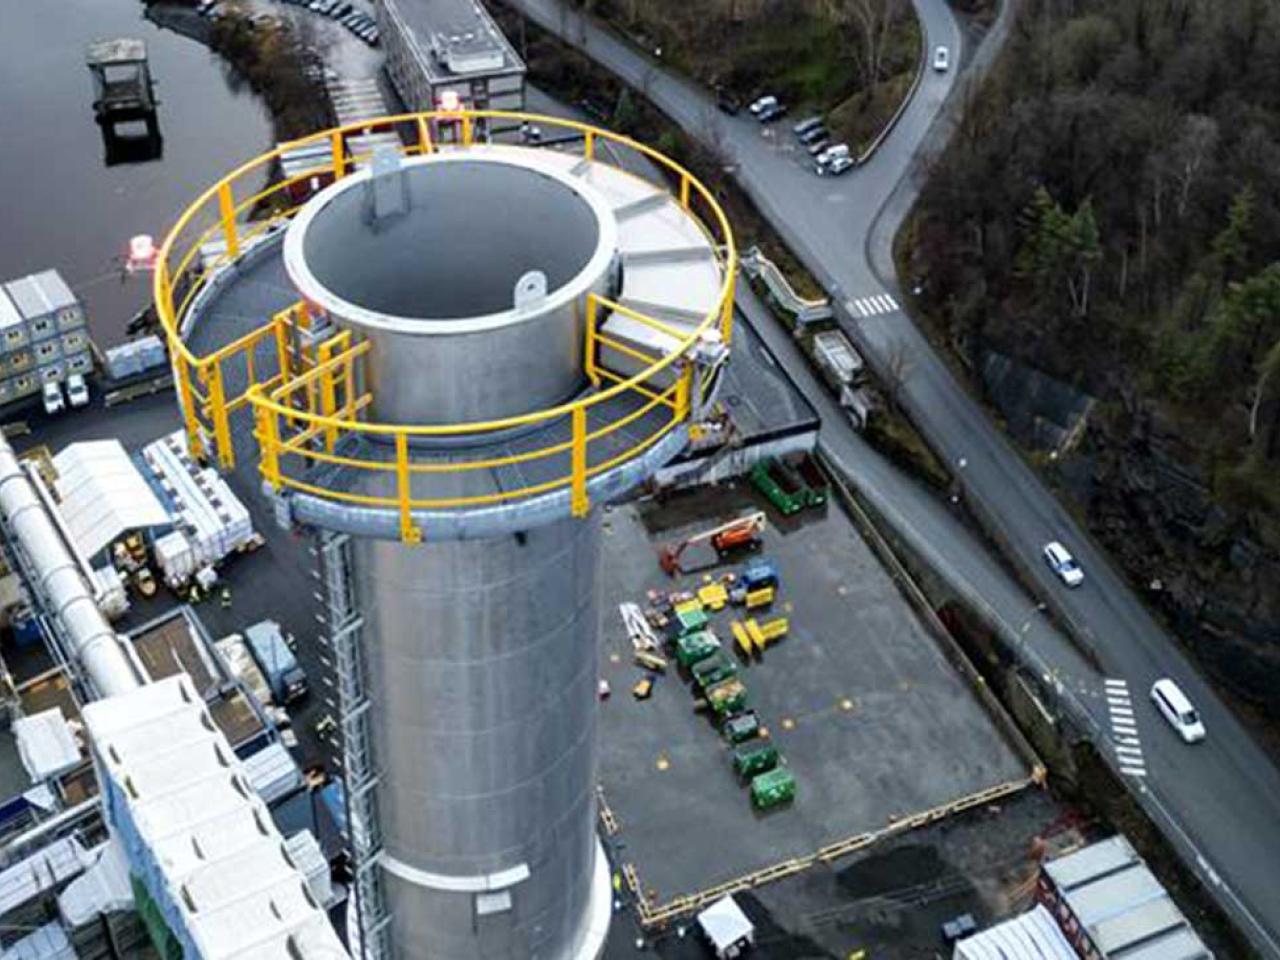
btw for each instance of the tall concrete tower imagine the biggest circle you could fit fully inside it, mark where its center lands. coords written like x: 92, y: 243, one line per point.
x: 514, y: 337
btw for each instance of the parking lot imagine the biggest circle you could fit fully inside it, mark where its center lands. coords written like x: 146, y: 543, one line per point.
x: 869, y: 716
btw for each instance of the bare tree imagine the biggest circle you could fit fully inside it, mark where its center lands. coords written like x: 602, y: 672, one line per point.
x: 868, y: 23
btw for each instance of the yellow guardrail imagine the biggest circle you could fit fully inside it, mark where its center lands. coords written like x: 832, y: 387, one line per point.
x: 309, y: 404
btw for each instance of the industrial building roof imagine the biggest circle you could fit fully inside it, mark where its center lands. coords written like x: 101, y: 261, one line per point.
x: 1121, y: 904
x: 1031, y: 936
x: 214, y: 861
x: 103, y: 495
x: 40, y: 294
x: 9, y: 315
x: 455, y: 39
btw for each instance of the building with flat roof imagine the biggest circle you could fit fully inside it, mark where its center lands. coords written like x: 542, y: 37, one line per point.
x: 439, y: 47
x: 1111, y: 906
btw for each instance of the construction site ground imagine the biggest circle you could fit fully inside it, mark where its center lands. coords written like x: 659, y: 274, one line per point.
x: 870, y: 716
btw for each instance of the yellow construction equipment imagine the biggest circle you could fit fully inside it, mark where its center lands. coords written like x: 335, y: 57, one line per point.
x: 713, y: 596
x: 741, y: 637
x: 760, y: 598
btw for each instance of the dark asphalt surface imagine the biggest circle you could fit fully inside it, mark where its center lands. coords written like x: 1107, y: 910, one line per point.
x: 1218, y: 802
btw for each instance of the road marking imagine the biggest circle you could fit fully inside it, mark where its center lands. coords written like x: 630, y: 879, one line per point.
x: 1124, y: 728
x: 871, y: 306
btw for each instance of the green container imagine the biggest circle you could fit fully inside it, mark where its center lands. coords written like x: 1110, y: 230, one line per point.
x: 753, y: 760
x: 767, y: 482
x: 691, y: 621
x: 713, y: 669
x: 696, y: 646
x: 727, y: 697
x: 773, y: 788
x: 743, y: 727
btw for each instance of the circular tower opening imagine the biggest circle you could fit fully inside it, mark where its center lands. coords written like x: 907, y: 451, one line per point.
x: 469, y: 274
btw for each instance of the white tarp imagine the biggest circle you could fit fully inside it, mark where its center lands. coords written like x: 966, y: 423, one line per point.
x: 46, y: 744
x: 104, y: 887
x: 102, y: 494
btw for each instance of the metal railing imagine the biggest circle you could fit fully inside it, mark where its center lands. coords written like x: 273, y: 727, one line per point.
x: 305, y: 399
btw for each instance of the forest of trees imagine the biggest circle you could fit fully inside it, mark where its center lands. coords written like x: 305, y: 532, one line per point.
x: 1109, y: 212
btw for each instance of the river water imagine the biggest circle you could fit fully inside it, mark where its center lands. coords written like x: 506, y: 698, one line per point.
x: 61, y: 204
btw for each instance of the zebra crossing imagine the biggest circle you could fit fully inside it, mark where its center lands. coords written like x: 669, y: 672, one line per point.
x: 1124, y: 728
x: 871, y: 306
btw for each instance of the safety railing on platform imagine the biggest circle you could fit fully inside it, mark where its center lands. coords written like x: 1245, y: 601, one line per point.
x: 305, y: 398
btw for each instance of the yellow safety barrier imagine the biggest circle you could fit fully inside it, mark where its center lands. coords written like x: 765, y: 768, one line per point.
x: 309, y: 404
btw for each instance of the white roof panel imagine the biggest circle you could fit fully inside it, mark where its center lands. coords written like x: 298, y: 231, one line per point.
x: 1030, y: 936
x: 725, y: 924
x: 225, y: 884
x: 102, y: 494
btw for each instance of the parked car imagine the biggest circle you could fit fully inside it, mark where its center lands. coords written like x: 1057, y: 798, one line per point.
x: 836, y: 167
x: 818, y: 148
x: 804, y: 126
x: 77, y: 390
x: 1173, y: 703
x: 1063, y: 564
x: 832, y: 153
x: 51, y: 396
x: 941, y: 59
x: 814, y: 134
x: 727, y: 103
x: 761, y: 104
x: 769, y: 114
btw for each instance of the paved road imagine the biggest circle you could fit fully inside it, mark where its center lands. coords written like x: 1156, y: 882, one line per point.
x: 1224, y: 794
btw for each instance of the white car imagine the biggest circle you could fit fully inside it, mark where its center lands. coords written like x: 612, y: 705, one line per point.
x: 77, y: 390
x: 833, y: 153
x: 1173, y: 703
x: 1063, y: 564
x: 51, y: 395
x: 941, y: 59
x: 840, y: 165
x: 761, y: 105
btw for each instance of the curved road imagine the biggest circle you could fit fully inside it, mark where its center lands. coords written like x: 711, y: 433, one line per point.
x: 1218, y: 802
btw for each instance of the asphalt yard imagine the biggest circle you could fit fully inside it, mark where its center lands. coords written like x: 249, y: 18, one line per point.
x: 868, y: 714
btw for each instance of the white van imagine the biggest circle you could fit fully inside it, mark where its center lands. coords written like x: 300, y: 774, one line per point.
x: 52, y: 397
x: 1177, y: 709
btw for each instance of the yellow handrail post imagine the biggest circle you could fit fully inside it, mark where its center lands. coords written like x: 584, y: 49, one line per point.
x: 684, y: 390
x: 684, y: 191
x: 218, y: 414
x: 408, y: 532
x: 467, y: 132
x: 188, y: 404
x: 589, y: 145
x: 328, y: 401
x: 268, y: 434
x: 227, y: 211
x: 425, y: 145
x: 589, y: 350
x: 579, y: 504
x: 338, y: 146
x: 726, y: 315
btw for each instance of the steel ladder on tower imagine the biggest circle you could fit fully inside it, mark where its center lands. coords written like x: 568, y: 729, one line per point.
x: 359, y: 774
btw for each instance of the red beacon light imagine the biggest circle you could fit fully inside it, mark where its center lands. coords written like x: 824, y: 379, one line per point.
x: 142, y: 254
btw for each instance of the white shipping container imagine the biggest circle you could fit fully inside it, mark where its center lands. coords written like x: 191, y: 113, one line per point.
x: 175, y: 557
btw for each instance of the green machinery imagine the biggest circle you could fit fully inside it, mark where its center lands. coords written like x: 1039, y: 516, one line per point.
x: 713, y: 669
x: 697, y: 646
x: 754, y: 759
x: 770, y: 789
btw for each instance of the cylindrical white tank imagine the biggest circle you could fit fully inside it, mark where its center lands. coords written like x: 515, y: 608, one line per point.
x: 469, y: 274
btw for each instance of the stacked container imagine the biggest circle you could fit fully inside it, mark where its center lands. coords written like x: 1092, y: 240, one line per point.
x: 44, y: 335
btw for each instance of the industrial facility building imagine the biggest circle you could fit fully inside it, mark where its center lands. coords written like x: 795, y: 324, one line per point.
x: 44, y: 335
x: 1110, y: 906
x: 442, y: 52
